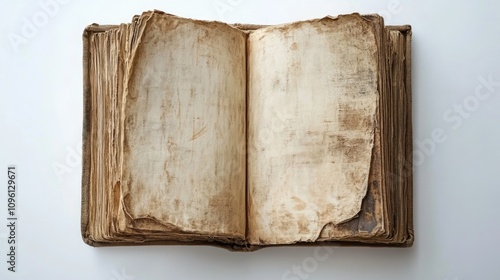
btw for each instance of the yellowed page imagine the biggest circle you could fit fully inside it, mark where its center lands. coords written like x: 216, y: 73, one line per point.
x: 184, y: 128
x: 312, y: 112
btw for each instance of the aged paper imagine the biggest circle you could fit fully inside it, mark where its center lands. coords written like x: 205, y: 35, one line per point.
x: 312, y: 111
x: 184, y: 128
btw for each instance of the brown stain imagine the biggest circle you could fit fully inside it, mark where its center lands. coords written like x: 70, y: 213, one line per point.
x: 172, y: 147
x: 349, y: 149
x: 223, y: 204
x: 330, y: 209
x: 314, y: 156
x: 170, y: 177
x: 293, y: 46
x: 355, y: 178
x: 277, y: 84
x: 302, y: 224
x: 283, y: 227
x: 351, y: 154
x: 217, y: 202
x: 281, y: 219
x: 192, y: 92
x: 354, y: 119
x: 359, y: 27
x: 166, y: 108
x: 193, y: 223
x: 353, y: 28
x: 177, y: 204
x: 294, y: 69
x: 179, y: 108
x: 199, y: 133
x: 300, y: 204
x: 154, y: 204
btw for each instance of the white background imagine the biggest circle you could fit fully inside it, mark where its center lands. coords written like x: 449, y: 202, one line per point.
x: 456, y: 45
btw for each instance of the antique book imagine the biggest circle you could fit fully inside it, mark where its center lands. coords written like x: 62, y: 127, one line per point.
x: 247, y: 136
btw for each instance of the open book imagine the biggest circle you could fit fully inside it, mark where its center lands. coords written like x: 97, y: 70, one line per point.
x: 244, y: 136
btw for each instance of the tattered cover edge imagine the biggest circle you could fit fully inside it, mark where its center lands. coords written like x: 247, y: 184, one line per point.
x: 409, y: 140
x: 86, y: 139
x: 96, y: 28
x: 410, y: 234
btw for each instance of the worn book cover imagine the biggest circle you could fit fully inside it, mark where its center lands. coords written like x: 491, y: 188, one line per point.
x: 247, y: 136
